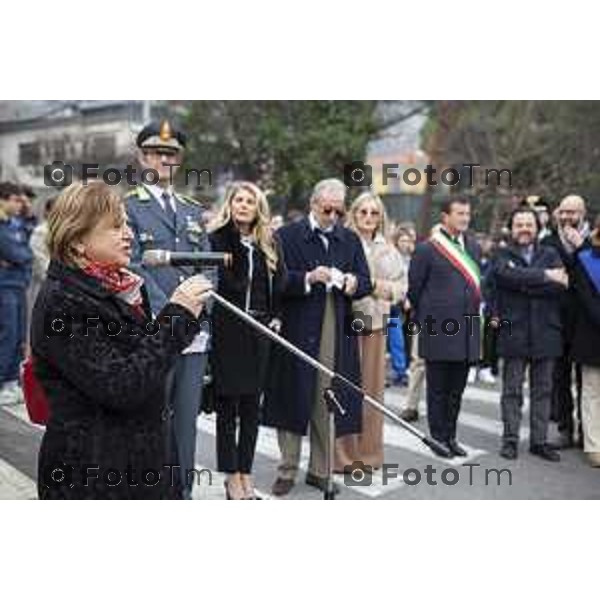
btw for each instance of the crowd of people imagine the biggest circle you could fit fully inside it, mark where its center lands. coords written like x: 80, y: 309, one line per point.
x: 433, y: 316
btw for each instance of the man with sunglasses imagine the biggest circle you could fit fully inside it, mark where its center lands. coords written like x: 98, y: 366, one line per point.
x: 163, y: 219
x: 326, y: 271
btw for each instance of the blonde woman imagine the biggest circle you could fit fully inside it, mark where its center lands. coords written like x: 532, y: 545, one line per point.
x: 368, y: 219
x: 253, y: 282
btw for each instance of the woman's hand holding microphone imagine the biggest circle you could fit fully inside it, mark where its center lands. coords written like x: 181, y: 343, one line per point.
x: 192, y: 293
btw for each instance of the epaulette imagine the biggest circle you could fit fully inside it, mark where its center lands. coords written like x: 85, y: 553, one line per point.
x: 188, y: 200
x: 138, y: 193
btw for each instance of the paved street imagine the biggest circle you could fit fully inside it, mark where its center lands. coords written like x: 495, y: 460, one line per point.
x: 479, y: 430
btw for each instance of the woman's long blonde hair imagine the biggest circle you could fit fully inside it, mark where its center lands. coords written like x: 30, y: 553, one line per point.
x: 261, y: 230
x: 358, y: 202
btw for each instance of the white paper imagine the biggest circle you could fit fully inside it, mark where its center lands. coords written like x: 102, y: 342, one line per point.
x: 337, y: 279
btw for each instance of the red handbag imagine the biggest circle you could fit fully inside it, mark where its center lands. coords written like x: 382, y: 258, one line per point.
x: 35, y: 397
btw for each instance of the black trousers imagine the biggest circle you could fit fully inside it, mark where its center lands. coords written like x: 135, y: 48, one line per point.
x: 236, y: 445
x: 446, y: 383
x: 563, y: 402
x: 490, y: 343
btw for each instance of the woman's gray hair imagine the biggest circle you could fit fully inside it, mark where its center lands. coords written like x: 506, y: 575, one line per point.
x: 328, y: 186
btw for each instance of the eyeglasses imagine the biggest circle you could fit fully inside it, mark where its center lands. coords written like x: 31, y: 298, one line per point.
x: 329, y: 209
x: 364, y: 212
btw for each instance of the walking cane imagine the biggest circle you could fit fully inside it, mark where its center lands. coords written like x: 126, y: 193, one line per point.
x: 328, y: 395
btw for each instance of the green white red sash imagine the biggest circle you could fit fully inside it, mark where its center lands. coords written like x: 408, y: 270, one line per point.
x: 459, y: 259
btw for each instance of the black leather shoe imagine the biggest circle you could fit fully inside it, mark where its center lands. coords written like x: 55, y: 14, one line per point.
x: 320, y: 483
x: 442, y: 449
x: 456, y: 449
x: 409, y: 414
x: 509, y: 451
x: 544, y: 451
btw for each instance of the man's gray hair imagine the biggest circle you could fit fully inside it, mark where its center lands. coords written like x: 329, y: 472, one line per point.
x: 328, y: 186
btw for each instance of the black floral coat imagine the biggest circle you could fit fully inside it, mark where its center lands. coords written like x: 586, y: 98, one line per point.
x: 107, y: 398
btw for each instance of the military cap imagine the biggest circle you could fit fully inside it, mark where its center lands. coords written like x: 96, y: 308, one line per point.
x: 157, y: 136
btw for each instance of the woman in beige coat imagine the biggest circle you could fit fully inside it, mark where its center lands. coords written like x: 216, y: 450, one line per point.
x: 367, y: 218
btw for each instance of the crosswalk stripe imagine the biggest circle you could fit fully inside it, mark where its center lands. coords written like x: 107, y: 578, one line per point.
x: 485, y: 424
x: 15, y: 485
x: 393, y: 436
x: 471, y: 393
x: 267, y: 445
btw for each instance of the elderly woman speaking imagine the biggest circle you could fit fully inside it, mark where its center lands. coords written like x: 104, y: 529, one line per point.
x: 101, y: 360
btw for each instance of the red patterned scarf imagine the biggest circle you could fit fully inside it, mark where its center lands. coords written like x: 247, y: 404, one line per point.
x: 121, y: 282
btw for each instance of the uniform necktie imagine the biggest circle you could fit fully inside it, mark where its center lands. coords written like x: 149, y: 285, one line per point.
x: 166, y: 198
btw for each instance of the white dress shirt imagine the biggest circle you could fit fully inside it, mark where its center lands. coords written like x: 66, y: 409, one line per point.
x: 158, y: 192
x: 337, y: 276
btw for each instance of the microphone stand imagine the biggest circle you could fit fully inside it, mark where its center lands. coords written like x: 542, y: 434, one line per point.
x: 332, y: 404
x: 328, y: 395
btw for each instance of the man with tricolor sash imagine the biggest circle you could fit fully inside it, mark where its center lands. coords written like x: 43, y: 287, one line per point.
x: 445, y: 297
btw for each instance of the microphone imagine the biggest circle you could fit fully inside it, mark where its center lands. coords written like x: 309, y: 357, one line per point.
x: 166, y: 258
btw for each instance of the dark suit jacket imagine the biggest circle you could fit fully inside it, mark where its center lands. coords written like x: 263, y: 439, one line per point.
x: 530, y: 302
x: 436, y: 289
x: 568, y: 308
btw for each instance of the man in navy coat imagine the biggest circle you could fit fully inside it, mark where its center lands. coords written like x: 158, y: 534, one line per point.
x: 326, y: 270
x: 445, y: 295
x: 162, y: 219
x: 530, y: 281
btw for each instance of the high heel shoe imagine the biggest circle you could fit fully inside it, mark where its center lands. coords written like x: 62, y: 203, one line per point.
x: 249, y: 491
x: 234, y: 496
x: 234, y: 489
x: 227, y: 494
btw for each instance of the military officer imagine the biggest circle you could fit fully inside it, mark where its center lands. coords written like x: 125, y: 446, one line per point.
x: 163, y: 219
